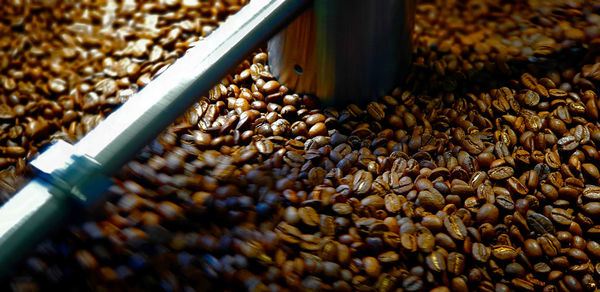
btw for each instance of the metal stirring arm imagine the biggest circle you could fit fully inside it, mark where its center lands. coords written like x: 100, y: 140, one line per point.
x: 77, y: 174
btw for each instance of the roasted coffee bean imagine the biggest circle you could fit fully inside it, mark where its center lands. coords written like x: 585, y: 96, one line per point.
x: 505, y: 202
x: 409, y: 242
x: 373, y: 201
x: 515, y: 270
x: 540, y: 223
x: 593, y: 248
x: 501, y: 173
x: 516, y: 186
x: 504, y: 252
x: 488, y: 213
x: 592, y: 193
x: 480, y: 252
x: 425, y: 241
x: 568, y: 143
x: 412, y: 283
x: 376, y: 111
x: 577, y: 255
x: 371, y: 266
x: 362, y: 182
x: 392, y: 203
x: 591, y: 208
x: 455, y: 227
x: 309, y: 216
x: 572, y: 284
x: 561, y: 216
x: 456, y: 263
x: 431, y: 200
x: 522, y: 285
x: 549, y: 244
x: 436, y: 262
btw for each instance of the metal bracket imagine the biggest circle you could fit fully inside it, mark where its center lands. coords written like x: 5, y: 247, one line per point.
x: 71, y: 174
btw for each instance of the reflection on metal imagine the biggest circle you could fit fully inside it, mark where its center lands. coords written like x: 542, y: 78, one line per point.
x: 26, y: 218
x: 75, y: 174
x: 352, y: 50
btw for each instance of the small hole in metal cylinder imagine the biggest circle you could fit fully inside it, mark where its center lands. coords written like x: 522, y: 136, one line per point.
x: 298, y: 69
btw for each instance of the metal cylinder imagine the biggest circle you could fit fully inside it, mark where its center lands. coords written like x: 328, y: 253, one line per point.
x: 345, y: 50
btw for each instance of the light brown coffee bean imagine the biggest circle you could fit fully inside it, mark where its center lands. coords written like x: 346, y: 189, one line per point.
x: 392, y: 203
x: 309, y: 216
x: 431, y: 200
x: 455, y: 227
x: 501, y: 173
x: 362, y: 182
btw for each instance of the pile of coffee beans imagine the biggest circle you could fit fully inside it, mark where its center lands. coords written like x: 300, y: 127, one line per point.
x: 65, y: 64
x: 479, y: 172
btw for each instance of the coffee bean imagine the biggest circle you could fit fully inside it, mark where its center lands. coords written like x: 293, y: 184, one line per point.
x: 480, y: 252
x: 57, y: 85
x: 455, y: 227
x: 362, y: 182
x: 515, y: 270
x: 459, y: 284
x: 540, y: 223
x: 309, y: 216
x: 412, y: 283
x: 522, y: 285
x: 592, y: 193
x: 291, y: 215
x: 409, y: 242
x: 319, y: 129
x: 577, y: 255
x: 591, y: 208
x: 371, y: 266
x: 568, y: 143
x: 516, y: 186
x: 549, y: 244
x: 392, y: 203
x: 572, y: 284
x: 561, y: 216
x: 425, y: 241
x: 456, y: 263
x: 501, y: 173
x: 488, y: 213
x: 270, y: 87
x: 542, y: 269
x: 504, y: 252
x: 593, y: 248
x: 264, y: 146
x: 374, y: 201
x: 505, y: 202
x: 375, y: 110
x: 431, y: 200
x: 436, y: 262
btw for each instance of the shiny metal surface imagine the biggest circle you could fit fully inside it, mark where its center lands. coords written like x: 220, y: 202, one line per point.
x: 352, y: 50
x: 26, y: 218
x: 76, y: 174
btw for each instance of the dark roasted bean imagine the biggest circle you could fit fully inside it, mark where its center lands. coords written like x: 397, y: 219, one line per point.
x: 540, y: 223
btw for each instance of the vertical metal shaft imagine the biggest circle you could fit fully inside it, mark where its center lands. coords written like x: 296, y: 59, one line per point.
x: 350, y: 50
